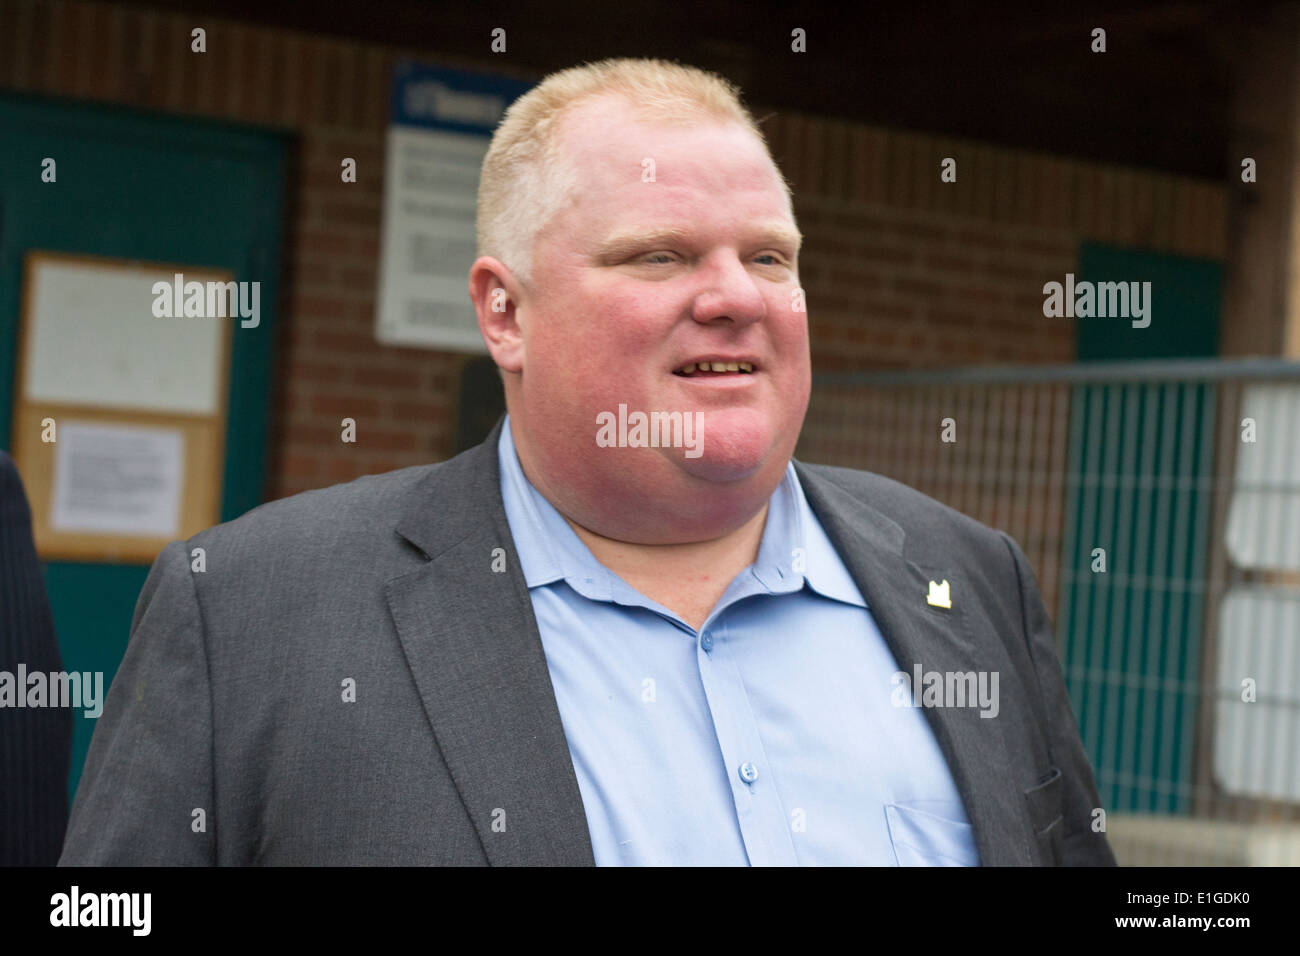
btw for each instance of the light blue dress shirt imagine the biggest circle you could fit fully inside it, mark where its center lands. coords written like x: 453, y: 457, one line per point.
x: 768, y: 737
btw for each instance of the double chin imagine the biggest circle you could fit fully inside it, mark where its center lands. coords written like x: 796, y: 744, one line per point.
x: 679, y: 500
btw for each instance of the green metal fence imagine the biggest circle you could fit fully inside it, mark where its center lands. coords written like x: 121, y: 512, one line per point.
x: 1159, y: 503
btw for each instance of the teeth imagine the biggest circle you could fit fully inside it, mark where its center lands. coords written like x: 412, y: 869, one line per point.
x: 717, y: 367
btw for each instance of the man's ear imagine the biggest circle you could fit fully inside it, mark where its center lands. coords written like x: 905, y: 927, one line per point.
x: 496, y: 293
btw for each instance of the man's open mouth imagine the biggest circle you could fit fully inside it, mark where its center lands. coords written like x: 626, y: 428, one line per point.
x: 715, y: 368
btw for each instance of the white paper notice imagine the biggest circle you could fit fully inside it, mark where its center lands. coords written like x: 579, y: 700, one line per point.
x: 427, y: 241
x: 96, y: 342
x: 118, y: 479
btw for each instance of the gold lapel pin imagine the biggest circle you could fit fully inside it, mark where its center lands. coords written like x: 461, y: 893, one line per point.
x: 938, y: 596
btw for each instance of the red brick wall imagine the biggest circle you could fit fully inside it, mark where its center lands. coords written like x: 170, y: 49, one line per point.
x: 900, y: 269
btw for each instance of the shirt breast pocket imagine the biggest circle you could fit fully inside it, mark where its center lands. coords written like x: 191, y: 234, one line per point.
x: 920, y: 838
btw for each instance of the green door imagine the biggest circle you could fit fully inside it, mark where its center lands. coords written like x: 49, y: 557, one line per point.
x: 154, y: 188
x: 1139, y: 455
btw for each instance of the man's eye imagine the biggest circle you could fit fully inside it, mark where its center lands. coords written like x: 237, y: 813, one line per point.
x: 656, y: 258
x: 776, y: 259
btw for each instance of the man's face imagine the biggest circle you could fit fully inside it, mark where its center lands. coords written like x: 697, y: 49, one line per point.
x: 636, y: 280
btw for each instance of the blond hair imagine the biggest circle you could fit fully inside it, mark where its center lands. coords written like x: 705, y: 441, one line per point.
x: 525, y: 179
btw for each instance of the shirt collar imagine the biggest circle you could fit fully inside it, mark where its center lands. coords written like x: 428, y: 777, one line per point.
x: 794, y: 549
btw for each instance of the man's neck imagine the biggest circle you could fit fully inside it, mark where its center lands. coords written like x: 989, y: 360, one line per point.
x: 685, y: 578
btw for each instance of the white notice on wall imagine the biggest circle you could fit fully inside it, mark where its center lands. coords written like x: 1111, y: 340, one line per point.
x: 441, y: 124
x: 118, y: 479
x: 428, y: 240
x: 95, y: 341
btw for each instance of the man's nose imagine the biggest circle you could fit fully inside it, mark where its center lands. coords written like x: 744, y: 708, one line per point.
x: 728, y: 291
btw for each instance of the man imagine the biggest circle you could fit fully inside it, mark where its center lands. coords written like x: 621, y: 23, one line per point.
x: 582, y: 642
x: 34, y: 742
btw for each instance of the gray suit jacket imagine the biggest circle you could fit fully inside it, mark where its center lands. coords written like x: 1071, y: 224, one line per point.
x: 226, y: 737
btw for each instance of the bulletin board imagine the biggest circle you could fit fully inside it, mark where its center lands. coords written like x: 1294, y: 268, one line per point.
x: 120, y: 413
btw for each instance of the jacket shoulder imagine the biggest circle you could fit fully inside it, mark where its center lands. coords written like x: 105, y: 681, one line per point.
x: 925, y: 520
x: 348, y: 518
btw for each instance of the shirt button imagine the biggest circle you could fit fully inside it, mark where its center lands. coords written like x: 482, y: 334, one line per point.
x: 706, y: 642
x: 748, y: 772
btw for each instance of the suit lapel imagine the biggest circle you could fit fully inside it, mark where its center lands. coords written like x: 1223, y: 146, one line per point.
x: 872, y: 548
x: 471, y: 641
